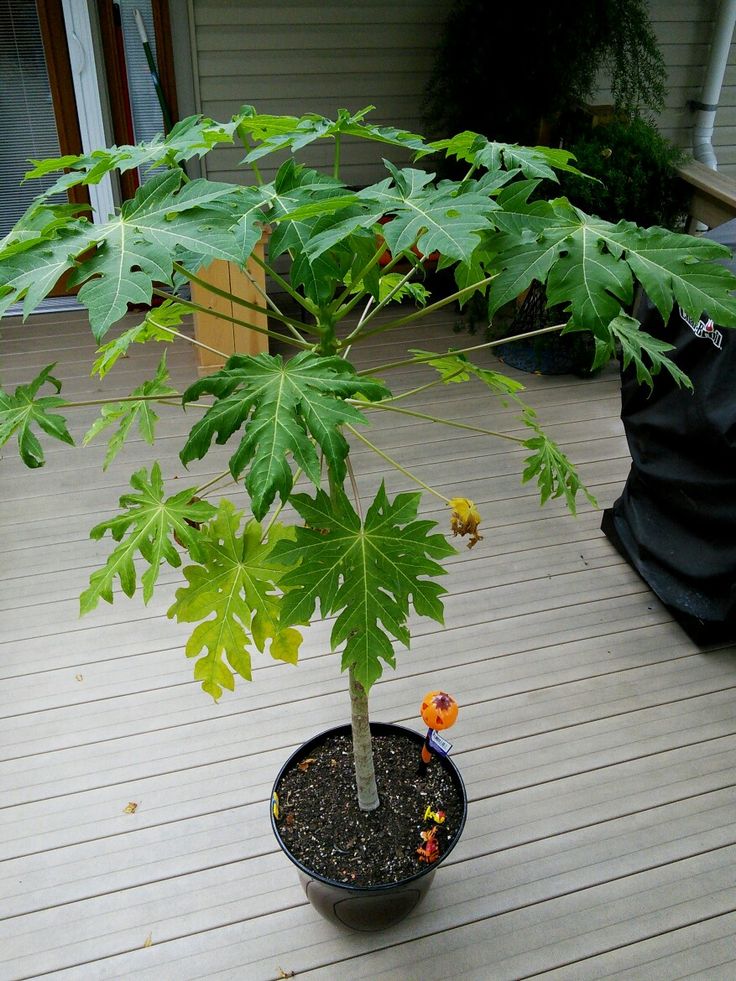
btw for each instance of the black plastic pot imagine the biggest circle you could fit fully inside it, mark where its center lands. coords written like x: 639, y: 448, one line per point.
x: 371, y: 908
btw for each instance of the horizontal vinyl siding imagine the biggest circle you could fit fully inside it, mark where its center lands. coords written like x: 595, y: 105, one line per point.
x: 307, y: 57
x: 684, y: 30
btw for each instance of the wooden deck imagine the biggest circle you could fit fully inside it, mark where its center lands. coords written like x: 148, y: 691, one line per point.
x: 597, y: 743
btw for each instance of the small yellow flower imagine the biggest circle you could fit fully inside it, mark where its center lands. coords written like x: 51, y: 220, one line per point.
x: 464, y: 519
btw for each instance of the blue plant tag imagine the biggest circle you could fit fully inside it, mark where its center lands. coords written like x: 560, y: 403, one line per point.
x: 438, y: 744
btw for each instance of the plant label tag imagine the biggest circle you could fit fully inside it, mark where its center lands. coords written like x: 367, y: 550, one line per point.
x: 438, y: 744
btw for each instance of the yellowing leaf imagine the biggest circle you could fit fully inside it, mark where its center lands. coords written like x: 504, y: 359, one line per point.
x: 465, y: 519
x: 148, y: 521
x: 131, y: 808
x: 237, y: 582
x: 148, y: 942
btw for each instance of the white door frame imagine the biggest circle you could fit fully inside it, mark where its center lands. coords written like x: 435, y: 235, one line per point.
x: 87, y: 91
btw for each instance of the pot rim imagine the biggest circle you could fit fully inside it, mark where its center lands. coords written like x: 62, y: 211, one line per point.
x: 377, y: 728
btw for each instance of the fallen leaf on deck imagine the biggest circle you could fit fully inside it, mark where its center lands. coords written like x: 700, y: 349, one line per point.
x: 284, y: 974
x: 79, y: 677
x: 148, y: 942
x: 131, y: 808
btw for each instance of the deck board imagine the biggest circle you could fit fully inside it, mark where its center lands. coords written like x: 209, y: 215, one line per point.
x: 596, y: 740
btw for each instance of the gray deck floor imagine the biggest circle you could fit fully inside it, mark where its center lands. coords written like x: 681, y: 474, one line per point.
x: 597, y: 743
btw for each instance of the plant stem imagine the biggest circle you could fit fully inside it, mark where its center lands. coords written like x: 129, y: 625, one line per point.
x: 198, y: 308
x: 463, y: 350
x: 286, y: 286
x: 211, y: 288
x: 346, y: 350
x: 336, y: 165
x: 341, y: 311
x: 280, y: 508
x: 444, y: 422
x: 211, y: 483
x: 248, y: 146
x: 354, y: 485
x: 122, y: 398
x: 365, y: 774
x: 397, y: 465
x: 423, y: 388
x: 402, y: 321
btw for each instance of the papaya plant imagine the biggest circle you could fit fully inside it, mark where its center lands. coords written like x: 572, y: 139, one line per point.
x: 254, y: 583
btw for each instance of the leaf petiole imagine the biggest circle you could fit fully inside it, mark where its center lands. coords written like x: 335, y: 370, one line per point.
x: 444, y: 422
x: 396, y: 465
x: 463, y: 350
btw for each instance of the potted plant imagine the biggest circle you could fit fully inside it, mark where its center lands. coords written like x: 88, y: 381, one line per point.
x: 254, y: 582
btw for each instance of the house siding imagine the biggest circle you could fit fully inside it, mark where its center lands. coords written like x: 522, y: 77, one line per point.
x: 684, y: 29
x: 306, y: 57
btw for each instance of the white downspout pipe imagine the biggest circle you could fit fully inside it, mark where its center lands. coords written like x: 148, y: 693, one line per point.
x: 716, y: 69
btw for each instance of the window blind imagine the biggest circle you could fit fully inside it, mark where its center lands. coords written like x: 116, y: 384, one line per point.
x: 26, y: 108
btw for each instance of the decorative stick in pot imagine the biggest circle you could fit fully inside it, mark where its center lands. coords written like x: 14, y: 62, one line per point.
x: 439, y: 711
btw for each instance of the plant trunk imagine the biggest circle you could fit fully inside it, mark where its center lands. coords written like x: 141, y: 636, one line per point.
x: 365, y: 775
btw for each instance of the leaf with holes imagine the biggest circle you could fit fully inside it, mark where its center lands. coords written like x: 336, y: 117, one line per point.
x: 136, y: 248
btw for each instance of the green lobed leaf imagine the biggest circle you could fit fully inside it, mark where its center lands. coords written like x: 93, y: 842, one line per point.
x: 533, y: 162
x: 456, y: 367
x: 391, y: 286
x: 233, y: 595
x: 24, y: 409
x: 146, y: 527
x: 673, y: 267
x: 291, y: 133
x: 280, y: 404
x: 294, y: 188
x: 556, y: 476
x: 636, y: 343
x: 446, y: 219
x: 191, y: 137
x: 595, y: 282
x: 31, y: 272
x: 591, y: 264
x: 127, y: 414
x: 136, y: 248
x: 152, y: 328
x: 370, y: 574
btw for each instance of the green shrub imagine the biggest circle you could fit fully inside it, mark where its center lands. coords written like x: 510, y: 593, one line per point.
x: 636, y: 167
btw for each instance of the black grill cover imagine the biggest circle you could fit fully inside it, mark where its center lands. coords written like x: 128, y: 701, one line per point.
x: 676, y: 520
